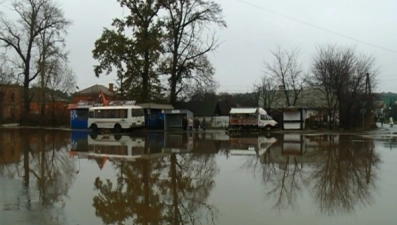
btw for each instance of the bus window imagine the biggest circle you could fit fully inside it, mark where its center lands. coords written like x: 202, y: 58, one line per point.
x: 98, y: 113
x: 123, y: 113
x: 112, y: 113
x: 91, y: 114
x: 136, y: 112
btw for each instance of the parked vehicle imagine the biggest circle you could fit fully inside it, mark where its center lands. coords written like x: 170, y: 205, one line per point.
x: 116, y: 117
x: 250, y: 118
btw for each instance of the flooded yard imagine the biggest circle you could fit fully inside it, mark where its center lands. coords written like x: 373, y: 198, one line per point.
x: 70, y: 178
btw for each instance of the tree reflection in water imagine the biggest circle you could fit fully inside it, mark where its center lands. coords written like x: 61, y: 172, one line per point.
x: 346, y: 177
x: 40, y: 158
x: 282, y: 176
x: 338, y: 172
x: 168, y: 190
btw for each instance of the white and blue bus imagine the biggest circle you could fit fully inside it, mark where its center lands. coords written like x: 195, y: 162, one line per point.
x: 116, y: 117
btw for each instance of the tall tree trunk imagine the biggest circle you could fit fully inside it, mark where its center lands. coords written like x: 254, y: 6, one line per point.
x: 42, y: 84
x: 26, y: 100
x: 145, y: 79
x: 173, y: 90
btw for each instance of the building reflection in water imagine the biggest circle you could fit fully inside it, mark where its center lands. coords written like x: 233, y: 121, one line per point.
x: 40, y: 160
x: 167, y: 178
x: 338, y: 172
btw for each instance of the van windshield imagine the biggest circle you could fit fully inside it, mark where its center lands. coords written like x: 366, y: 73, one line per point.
x: 266, y: 117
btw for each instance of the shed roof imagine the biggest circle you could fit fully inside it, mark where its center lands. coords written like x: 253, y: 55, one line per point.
x: 155, y: 106
x: 176, y: 111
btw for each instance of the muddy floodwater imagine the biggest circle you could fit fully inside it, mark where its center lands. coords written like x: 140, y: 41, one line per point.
x: 74, y: 178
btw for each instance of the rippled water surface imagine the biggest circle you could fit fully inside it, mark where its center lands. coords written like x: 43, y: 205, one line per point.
x: 70, y: 178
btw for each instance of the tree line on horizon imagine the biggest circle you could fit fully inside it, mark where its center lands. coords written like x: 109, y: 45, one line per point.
x: 159, y: 52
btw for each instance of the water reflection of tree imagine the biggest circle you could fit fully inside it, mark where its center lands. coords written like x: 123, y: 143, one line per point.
x: 345, y: 179
x: 287, y: 183
x: 341, y: 174
x: 284, y: 179
x: 135, y: 193
x: 46, y: 168
x: 169, y: 190
x: 46, y: 158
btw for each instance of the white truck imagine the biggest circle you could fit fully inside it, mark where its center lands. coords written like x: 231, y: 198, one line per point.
x: 250, y: 118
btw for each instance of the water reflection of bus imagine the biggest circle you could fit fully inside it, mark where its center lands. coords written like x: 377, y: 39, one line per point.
x: 116, y: 145
x: 132, y: 147
x: 250, y: 145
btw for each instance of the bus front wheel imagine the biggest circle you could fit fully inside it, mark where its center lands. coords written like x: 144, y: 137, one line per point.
x: 94, y: 127
x: 117, y: 128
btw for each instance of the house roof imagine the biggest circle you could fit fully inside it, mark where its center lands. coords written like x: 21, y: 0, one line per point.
x: 308, y: 98
x: 379, y: 104
x: 95, y: 89
x: 205, y: 108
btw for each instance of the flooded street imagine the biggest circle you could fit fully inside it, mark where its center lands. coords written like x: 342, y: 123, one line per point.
x: 70, y: 178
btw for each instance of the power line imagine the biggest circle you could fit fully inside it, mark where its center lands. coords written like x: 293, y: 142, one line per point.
x: 317, y: 27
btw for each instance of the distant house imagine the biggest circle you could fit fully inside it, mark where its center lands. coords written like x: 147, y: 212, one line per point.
x: 201, y: 108
x: 310, y: 102
x: 53, y: 101
x: 11, y: 103
x: 210, y: 110
x: 379, y: 108
x: 92, y: 93
x: 308, y: 98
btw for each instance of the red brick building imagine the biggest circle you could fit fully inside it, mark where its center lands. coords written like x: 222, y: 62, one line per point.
x: 10, y: 103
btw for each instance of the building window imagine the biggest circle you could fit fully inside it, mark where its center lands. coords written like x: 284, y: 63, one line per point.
x: 13, y: 97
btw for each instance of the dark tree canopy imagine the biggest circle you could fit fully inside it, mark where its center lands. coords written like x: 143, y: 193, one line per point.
x: 156, y: 38
x: 133, y: 48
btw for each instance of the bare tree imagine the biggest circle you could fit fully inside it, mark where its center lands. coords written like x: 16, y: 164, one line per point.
x: 266, y: 91
x: 6, y: 74
x: 186, y: 23
x: 346, y: 79
x: 51, y: 45
x: 197, y: 91
x: 287, y: 72
x: 35, y: 17
x: 6, y: 78
x: 60, y: 80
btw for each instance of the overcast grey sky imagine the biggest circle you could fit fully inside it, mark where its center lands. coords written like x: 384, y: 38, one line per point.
x: 254, y: 27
